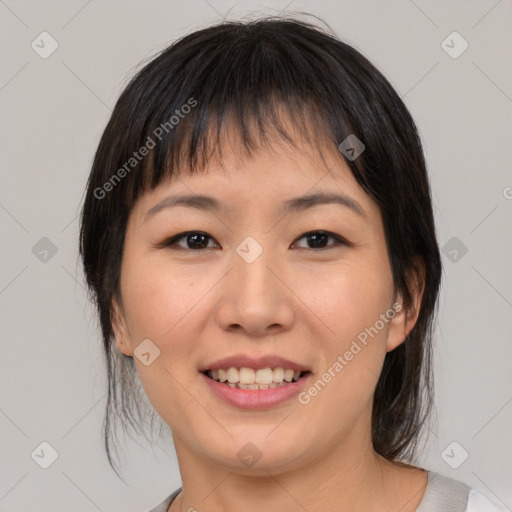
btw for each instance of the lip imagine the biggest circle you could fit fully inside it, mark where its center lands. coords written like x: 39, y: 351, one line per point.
x: 256, y: 398
x: 244, y: 361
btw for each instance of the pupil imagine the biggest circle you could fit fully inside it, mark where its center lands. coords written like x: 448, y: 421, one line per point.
x: 195, y: 243
x: 313, y: 238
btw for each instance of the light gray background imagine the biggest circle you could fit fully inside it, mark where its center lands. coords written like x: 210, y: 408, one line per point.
x: 52, y: 114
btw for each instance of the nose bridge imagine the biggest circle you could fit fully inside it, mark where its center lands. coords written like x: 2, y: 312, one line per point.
x: 252, y: 261
x: 255, y: 298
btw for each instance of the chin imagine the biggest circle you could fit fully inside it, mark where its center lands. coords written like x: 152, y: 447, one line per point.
x: 258, y: 454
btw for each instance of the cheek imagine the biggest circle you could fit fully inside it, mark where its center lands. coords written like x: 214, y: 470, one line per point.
x: 347, y: 299
x: 350, y: 302
x: 157, y: 297
x: 164, y: 305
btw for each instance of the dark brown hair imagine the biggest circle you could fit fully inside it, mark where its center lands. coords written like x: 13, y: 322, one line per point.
x: 248, y: 74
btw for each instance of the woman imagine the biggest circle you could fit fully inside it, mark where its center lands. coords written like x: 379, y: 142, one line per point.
x: 258, y: 236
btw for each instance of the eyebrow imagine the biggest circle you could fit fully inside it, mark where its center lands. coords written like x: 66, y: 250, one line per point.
x: 295, y: 204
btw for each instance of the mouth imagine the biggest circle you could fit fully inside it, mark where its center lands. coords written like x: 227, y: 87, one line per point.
x: 258, y: 383
x: 255, y: 379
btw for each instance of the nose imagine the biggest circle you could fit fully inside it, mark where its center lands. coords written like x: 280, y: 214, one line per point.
x: 256, y: 297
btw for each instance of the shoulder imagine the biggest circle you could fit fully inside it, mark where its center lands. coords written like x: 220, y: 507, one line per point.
x: 444, y: 494
x: 479, y: 503
x: 164, y: 505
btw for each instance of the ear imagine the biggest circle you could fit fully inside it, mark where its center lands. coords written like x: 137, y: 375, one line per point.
x: 120, y: 329
x: 404, y: 320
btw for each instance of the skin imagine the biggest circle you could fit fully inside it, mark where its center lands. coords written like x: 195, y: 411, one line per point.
x: 297, y: 301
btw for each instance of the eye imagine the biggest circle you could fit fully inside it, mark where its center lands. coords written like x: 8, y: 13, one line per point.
x: 194, y: 240
x: 198, y: 240
x: 318, y: 239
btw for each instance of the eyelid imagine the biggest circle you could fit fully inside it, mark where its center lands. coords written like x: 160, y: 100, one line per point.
x: 171, y: 242
x: 339, y: 240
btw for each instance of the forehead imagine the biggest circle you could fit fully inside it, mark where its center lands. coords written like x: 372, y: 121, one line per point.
x: 268, y: 186
x: 269, y: 177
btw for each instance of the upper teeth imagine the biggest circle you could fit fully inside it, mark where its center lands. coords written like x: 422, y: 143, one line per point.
x: 250, y: 376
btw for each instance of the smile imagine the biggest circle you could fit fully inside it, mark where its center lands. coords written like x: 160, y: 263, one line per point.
x: 249, y: 378
x: 255, y: 389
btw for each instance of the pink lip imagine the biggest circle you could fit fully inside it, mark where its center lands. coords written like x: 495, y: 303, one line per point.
x: 245, y: 361
x: 256, y: 398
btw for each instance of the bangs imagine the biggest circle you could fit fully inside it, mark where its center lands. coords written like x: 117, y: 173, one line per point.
x: 189, y: 101
x: 242, y: 128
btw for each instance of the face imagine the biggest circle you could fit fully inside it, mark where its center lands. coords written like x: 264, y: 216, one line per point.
x: 260, y: 277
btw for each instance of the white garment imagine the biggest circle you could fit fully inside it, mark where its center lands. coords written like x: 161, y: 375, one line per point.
x: 479, y: 503
x: 442, y: 494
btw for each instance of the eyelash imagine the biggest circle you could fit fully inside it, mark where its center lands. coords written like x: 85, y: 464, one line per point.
x: 171, y: 243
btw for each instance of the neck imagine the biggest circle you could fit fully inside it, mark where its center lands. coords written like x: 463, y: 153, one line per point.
x: 343, y: 475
